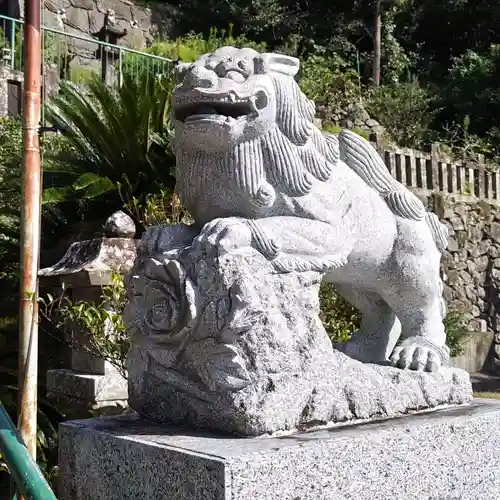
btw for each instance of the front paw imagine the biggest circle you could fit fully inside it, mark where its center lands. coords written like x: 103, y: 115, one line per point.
x: 417, y: 353
x: 160, y: 239
x: 225, y: 234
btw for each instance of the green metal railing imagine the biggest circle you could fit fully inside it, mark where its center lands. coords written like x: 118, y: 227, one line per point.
x: 25, y: 472
x: 77, y: 58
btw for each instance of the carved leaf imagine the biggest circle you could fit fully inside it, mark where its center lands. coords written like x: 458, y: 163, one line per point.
x: 243, y: 320
x: 219, y: 366
x: 244, y: 315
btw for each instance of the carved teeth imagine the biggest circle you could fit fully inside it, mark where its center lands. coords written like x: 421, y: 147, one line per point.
x: 187, y: 99
x: 253, y: 105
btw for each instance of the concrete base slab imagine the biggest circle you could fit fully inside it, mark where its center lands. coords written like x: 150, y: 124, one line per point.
x: 444, y: 454
x: 87, y: 390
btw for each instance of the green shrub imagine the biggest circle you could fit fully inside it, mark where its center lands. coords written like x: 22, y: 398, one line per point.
x: 404, y: 110
x: 11, y: 158
x: 336, y: 129
x: 470, y: 91
x: 457, y: 332
x: 120, y: 140
x: 187, y: 48
x: 457, y: 141
x: 191, y: 46
x: 82, y: 75
x: 339, y: 318
x: 330, y: 82
x: 103, y: 321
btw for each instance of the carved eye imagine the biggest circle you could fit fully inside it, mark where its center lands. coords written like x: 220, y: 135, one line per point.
x: 243, y: 64
x: 261, y: 66
x: 211, y: 62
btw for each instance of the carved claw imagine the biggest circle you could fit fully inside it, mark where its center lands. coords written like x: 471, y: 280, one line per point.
x: 265, y: 245
x: 158, y: 239
x: 419, y: 354
x: 234, y: 232
x: 226, y: 234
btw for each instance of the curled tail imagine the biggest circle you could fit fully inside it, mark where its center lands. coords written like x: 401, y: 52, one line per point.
x: 440, y: 234
x: 361, y: 156
x: 439, y: 231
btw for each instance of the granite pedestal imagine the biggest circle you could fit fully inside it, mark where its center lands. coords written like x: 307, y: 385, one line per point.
x: 448, y: 453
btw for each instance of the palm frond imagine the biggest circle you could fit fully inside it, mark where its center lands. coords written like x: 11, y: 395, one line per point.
x: 119, y: 135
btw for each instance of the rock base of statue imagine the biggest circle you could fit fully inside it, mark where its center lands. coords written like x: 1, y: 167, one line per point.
x: 447, y: 453
x: 225, y: 339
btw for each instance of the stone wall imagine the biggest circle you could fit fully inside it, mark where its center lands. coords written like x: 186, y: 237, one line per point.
x: 10, y: 93
x: 84, y: 17
x: 471, y: 265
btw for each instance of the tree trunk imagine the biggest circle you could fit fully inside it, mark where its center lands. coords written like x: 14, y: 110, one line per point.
x: 377, y: 49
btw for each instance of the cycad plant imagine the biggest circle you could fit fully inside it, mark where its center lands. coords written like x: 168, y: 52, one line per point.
x: 119, y: 140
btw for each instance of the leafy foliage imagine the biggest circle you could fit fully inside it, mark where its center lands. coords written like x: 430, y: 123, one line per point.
x: 404, y: 110
x: 159, y: 209
x: 10, y: 203
x: 11, y: 157
x: 328, y: 80
x: 336, y: 129
x: 470, y: 101
x: 192, y: 45
x: 102, y: 320
x: 120, y: 140
x: 339, y: 318
x: 457, y: 332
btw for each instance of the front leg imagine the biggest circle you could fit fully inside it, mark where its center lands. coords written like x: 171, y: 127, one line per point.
x: 304, y: 244
x: 164, y: 239
x: 290, y: 243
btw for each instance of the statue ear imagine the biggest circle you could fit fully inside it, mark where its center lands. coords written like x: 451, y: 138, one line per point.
x: 279, y: 63
x: 181, y: 68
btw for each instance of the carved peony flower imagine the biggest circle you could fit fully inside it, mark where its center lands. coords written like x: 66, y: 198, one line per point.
x: 163, y: 298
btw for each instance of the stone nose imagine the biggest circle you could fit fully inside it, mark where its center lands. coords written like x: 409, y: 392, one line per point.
x: 236, y: 76
x: 200, y: 77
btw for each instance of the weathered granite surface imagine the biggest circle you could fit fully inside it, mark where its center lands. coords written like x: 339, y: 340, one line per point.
x: 448, y: 454
x: 94, y: 391
x: 246, y: 146
x: 223, y: 314
x: 223, y: 341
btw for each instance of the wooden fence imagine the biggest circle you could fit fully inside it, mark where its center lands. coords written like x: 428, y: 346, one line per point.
x: 434, y: 172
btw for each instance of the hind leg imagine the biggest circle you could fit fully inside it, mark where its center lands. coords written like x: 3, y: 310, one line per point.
x: 423, y: 345
x: 380, y: 328
x: 416, y: 299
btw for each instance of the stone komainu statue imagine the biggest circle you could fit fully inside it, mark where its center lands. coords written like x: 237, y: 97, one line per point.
x: 251, y: 162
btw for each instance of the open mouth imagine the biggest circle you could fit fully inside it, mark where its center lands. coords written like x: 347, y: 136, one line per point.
x: 227, y: 108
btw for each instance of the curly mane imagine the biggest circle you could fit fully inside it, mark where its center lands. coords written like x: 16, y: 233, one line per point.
x: 288, y: 159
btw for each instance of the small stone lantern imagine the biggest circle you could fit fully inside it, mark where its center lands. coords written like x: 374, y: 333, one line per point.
x: 91, y: 382
x: 109, y: 33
